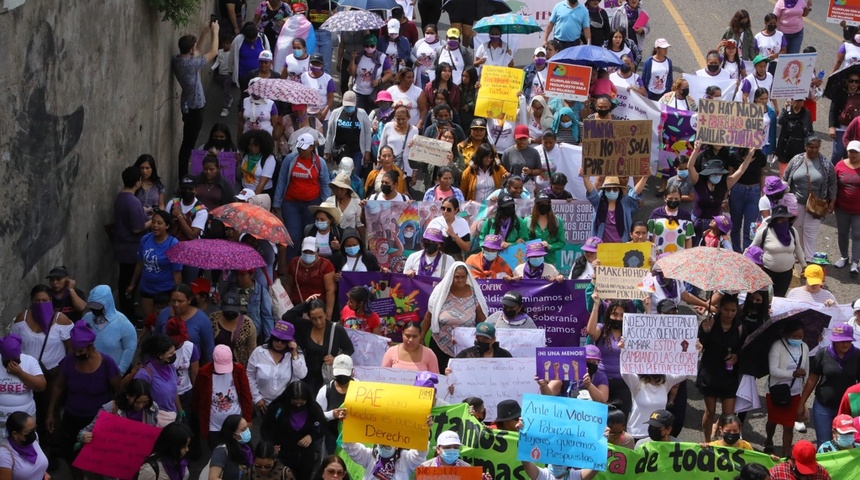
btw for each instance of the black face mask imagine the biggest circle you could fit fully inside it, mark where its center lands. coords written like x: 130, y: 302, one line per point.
x: 771, y: 28
x: 29, y: 438
x: 673, y: 204
x: 431, y: 248
x: 7, y: 362
x: 482, y: 347
x: 82, y: 357
x: 731, y: 438
x: 386, y: 189
x: 342, y: 379
x: 219, y: 144
x: 507, y: 211
x: 603, y: 111
x: 776, y: 196
x: 98, y: 312
x: 186, y: 196
x: 592, y: 369
x: 544, y: 209
x: 510, y: 313
x: 615, y: 324
x: 169, y: 360
x: 685, y: 92
x: 713, y: 68
x: 655, y: 433
x: 625, y: 68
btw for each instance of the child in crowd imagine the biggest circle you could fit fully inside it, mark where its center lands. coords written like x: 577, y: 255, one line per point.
x: 718, y: 235
x: 223, y: 69
x: 357, y: 314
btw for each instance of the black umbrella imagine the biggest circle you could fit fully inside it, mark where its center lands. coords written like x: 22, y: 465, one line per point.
x: 836, y: 81
x: 484, y: 8
x: 757, y: 346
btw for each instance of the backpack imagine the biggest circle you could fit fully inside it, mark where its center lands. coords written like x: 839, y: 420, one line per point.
x: 153, y: 463
x: 851, y: 109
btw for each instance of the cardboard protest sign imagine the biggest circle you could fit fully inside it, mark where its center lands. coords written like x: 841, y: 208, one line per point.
x: 563, y: 431
x: 497, y: 97
x: 566, y: 364
x: 429, y: 150
x: 629, y: 255
x: 226, y: 160
x: 577, y: 216
x: 385, y: 413
x: 448, y: 473
x: 126, y: 442
x: 521, y: 342
x: 793, y: 76
x: 733, y: 124
x: 847, y: 10
x: 369, y: 347
x: 656, y: 344
x: 510, y: 378
x: 619, y: 283
x: 616, y: 147
x: 570, y: 82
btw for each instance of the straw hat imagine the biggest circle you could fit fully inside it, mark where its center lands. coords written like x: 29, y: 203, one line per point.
x: 328, y: 208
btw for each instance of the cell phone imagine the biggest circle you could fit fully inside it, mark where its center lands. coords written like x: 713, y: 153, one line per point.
x: 213, y: 18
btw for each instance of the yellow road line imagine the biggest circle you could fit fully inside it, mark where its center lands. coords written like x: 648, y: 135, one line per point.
x: 819, y: 26
x: 697, y: 52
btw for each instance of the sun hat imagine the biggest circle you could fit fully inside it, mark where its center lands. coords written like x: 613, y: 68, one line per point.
x: 774, y: 184
x: 434, y: 235
x: 755, y: 254
x: 714, y: 167
x: 284, y: 331
x: 535, y: 249
x: 329, y: 208
x: 342, y: 181
x: 724, y: 223
x: 612, y: 182
x: 591, y: 244
x: 492, y: 242
x: 842, y: 332
x: 508, y: 410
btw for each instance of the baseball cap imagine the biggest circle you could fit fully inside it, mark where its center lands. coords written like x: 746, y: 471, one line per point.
x: 232, y: 303
x: 58, y: 272
x: 384, y: 96
x: 485, y: 329
x: 853, y: 145
x: 814, y: 274
x: 299, y: 8
x: 349, y: 99
x: 453, y: 33
x: 591, y: 244
x: 667, y: 305
x: 305, y: 140
x: 316, y: 58
x: 188, y: 181
x: 478, y: 123
x: 266, y: 56
x: 842, y: 332
x: 284, y: 331
x: 661, y: 43
x: 393, y: 26
x: 505, y: 200
x: 803, y: 453
x: 222, y: 358
x: 512, y: 299
x: 592, y: 352
x: 342, y: 365
x: 521, y: 131
x: 759, y: 59
x: 844, y: 424
x: 857, y: 305
x: 309, y: 244
x: 539, y: 50
x: 661, y: 419
x: 245, y: 195
x: 448, y: 438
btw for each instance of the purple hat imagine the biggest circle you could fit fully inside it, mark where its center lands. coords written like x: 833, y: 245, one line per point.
x: 724, y: 223
x: 591, y: 244
x: 773, y: 184
x: 434, y: 235
x: 10, y: 347
x: 82, y: 335
x: 284, y: 331
x: 535, y: 249
x: 842, y: 332
x: 426, y: 379
x: 754, y: 253
x: 592, y: 352
x: 493, y: 242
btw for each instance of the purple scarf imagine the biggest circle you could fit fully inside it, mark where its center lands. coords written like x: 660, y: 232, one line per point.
x: 783, y: 233
x: 632, y: 15
x: 384, y: 468
x: 248, y: 453
x: 850, y: 353
x: 669, y: 286
x: 298, y: 419
x: 532, y: 272
x: 133, y: 414
x: 426, y: 268
x: 790, y: 3
x: 27, y: 452
x: 43, y: 315
x: 176, y: 471
x: 504, y: 228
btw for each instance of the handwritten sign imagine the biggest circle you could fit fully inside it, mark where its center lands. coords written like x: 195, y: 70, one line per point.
x: 511, y: 378
x: 126, y: 442
x: 497, y: 97
x: 566, y: 364
x: 448, y: 473
x: 577, y: 216
x: 619, y: 283
x: 793, y: 76
x: 227, y: 161
x: 839, y: 10
x: 429, y: 150
x: 394, y: 415
x: 629, y: 255
x: 660, y: 344
x: 616, y: 147
x: 569, y: 82
x: 733, y: 124
x: 563, y: 431
x: 521, y: 342
x: 369, y: 347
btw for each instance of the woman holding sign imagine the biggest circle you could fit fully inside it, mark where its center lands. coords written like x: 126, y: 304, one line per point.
x: 383, y: 461
x: 606, y: 336
x: 614, y: 206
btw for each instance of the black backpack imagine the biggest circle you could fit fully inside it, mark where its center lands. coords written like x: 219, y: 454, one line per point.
x: 152, y: 462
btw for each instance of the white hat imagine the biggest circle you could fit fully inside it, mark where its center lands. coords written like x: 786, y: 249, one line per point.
x: 266, y: 56
x: 539, y: 50
x: 245, y: 195
x: 662, y: 43
x: 342, y: 365
x: 305, y: 140
x: 857, y: 305
x: 393, y: 26
x: 309, y: 243
x: 853, y: 145
x: 448, y: 438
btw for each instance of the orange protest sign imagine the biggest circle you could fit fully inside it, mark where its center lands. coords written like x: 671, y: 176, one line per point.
x: 570, y: 82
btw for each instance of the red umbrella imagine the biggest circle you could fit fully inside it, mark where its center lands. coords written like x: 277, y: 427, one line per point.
x: 253, y: 220
x: 714, y: 269
x: 216, y: 255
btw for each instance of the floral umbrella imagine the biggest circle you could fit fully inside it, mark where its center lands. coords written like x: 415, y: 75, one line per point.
x: 714, y: 269
x: 283, y: 90
x: 510, y: 23
x: 253, y: 220
x: 216, y: 255
x: 353, y: 21
x: 369, y: 4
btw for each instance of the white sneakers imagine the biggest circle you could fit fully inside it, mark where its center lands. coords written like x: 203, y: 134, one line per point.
x: 800, y: 427
x: 224, y: 112
x: 854, y: 270
x: 841, y: 263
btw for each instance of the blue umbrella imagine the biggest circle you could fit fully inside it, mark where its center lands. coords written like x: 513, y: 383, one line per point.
x: 587, y: 55
x: 510, y: 23
x: 368, y: 4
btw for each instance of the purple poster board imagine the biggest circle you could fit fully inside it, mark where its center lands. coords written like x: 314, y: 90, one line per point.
x: 566, y: 364
x: 226, y: 159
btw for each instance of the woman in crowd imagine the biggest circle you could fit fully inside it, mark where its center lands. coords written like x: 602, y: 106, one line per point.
x: 796, y: 126
x: 713, y: 69
x: 607, y: 336
x: 810, y: 176
x: 770, y: 42
x: 732, y: 63
x: 456, y: 301
x: 813, y: 292
x: 220, y: 139
x: 535, y: 267
x: 266, y: 464
x: 22, y: 377
x: 487, y: 264
x: 506, y: 223
x: 789, y: 17
x: 454, y: 228
x: 310, y: 275
x: 406, y: 93
x: 134, y: 401
x: 349, y: 134
x: 232, y: 458
x: 332, y: 467
x: 375, y: 183
x: 398, y: 136
x: 469, y: 85
x: 155, y: 273
x: 848, y: 52
x: 443, y: 79
x: 537, y: 116
x: 616, y: 429
x: 483, y: 175
x: 411, y: 354
x: 544, y: 225
x: 847, y: 208
x: 326, y: 228
x: 196, y: 322
x: 320, y: 340
x: 670, y: 227
x: 494, y: 52
x: 187, y: 365
x: 740, y: 31
x: 424, y: 56
x: 649, y: 393
x: 213, y: 190
x: 774, y: 193
x: 788, y: 361
x: 620, y: 45
x: 21, y: 456
x: 385, y: 460
x: 167, y: 460
x: 357, y: 314
x: 583, y: 266
x: 840, y: 115
x: 625, y: 19
x: 657, y: 75
x: 444, y: 187
x: 274, y: 365
x: 429, y: 261
x: 232, y: 326
x: 721, y: 338
x: 347, y: 202
x: 679, y: 97
x: 779, y: 242
x: 729, y: 428
x: 151, y: 191
x: 221, y: 392
x: 158, y: 355
x: 353, y: 257
x: 614, y: 206
x: 744, y: 197
x: 565, y: 124
x: 258, y: 164
x: 295, y: 421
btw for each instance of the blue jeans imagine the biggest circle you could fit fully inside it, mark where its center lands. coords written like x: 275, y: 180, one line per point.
x: 743, y: 207
x: 296, y: 215
x: 794, y: 41
x: 822, y: 417
x: 324, y: 48
x: 838, y: 148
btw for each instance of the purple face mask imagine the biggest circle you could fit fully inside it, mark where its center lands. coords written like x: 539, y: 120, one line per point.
x: 316, y: 70
x: 43, y: 314
x: 540, y: 61
x: 453, y: 44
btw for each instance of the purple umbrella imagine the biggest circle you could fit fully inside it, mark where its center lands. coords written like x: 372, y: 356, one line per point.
x: 216, y: 255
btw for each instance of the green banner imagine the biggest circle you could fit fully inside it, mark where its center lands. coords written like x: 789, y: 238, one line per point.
x: 496, y: 452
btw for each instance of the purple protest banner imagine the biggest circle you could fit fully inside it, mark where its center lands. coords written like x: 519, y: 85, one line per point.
x: 227, y: 160
x: 558, y: 308
x: 566, y: 364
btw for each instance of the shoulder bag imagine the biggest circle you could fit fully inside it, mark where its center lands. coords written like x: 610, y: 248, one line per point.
x: 780, y: 394
x: 816, y: 206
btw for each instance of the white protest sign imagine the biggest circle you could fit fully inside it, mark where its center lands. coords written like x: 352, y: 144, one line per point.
x: 793, y: 75
x: 492, y: 379
x: 655, y: 344
x: 698, y: 85
x: 369, y: 348
x: 429, y: 150
x: 521, y: 342
x: 564, y: 158
x: 398, y: 376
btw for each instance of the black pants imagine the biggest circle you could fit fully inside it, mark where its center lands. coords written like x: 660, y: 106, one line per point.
x: 441, y: 356
x: 619, y: 394
x: 781, y: 281
x: 565, y: 44
x: 430, y: 12
x: 679, y: 409
x: 344, y: 73
x: 192, y: 124
x: 126, y: 303
x: 364, y: 101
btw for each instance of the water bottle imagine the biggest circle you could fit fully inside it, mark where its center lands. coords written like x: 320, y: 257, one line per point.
x: 821, y: 75
x: 729, y: 366
x: 185, y: 108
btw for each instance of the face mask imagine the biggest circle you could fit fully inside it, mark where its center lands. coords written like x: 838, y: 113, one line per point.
x: 342, y: 380
x: 794, y: 342
x: 495, y: 38
x: 625, y: 68
x: 490, y: 256
x: 713, y: 68
x: 352, y: 251
x: 616, y: 324
x: 510, y: 314
x: 544, y: 209
x: 29, y: 438
x: 316, y: 70
x: 431, y: 248
x: 540, y: 61
x: 731, y: 438
x: 82, y: 357
x: 170, y: 360
x: 187, y: 197
x: 673, y: 204
x: 683, y: 173
x: 369, y: 50
x: 771, y: 28
x: 567, y: 124
x: 845, y: 440
x: 655, y: 433
x: 558, y: 470
x: 776, y: 196
x: 715, y: 179
x: 321, y: 225
x: 386, y: 189
x: 386, y: 451
x: 592, y: 368
x: 408, y: 234
x: 603, y: 112
x: 430, y: 37
x: 611, y: 196
x: 349, y: 109
x: 246, y: 436
x: 508, y: 211
x: 308, y: 257
x: 453, y: 44
x: 482, y: 347
x: 685, y: 92
x: 536, y: 261
x: 298, y: 52
x: 450, y: 455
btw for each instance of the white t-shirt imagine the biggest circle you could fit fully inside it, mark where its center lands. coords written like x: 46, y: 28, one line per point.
x: 200, y: 218
x: 424, y: 55
x: 768, y: 45
x: 354, y: 265
x: 321, y: 86
x: 31, y: 342
x: 300, y: 67
x: 182, y: 365
x: 461, y: 226
x: 484, y: 186
x: 400, y: 145
x: 455, y: 59
x: 498, y: 56
x: 15, y: 396
x: 391, y: 53
x: 225, y: 401
x: 624, y: 51
x: 621, y: 82
x: 659, y: 77
x: 502, y: 137
x: 411, y: 97
x: 22, y: 469
x: 539, y: 82
x: 323, y: 243
x: 852, y: 55
x: 754, y: 84
x: 258, y: 115
x: 723, y: 75
x: 413, y: 263
x: 646, y: 398
x: 264, y: 168
x: 544, y: 474
x: 732, y: 69
x: 366, y: 72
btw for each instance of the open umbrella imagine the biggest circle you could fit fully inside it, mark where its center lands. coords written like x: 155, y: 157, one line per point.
x: 590, y: 55
x: 836, y: 80
x: 368, y: 4
x: 757, y: 345
x: 714, y: 269
x: 215, y: 255
x: 509, y: 23
x: 283, y: 90
x: 353, y: 21
x: 253, y: 220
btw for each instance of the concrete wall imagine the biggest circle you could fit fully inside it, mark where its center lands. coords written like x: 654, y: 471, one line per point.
x: 85, y: 88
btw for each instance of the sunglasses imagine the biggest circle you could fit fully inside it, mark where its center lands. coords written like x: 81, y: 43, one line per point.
x: 854, y: 80
x: 447, y: 209
x: 337, y: 473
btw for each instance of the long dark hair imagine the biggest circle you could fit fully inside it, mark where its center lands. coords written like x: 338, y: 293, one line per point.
x: 735, y: 22
x: 450, y: 83
x: 551, y: 224
x: 606, y: 318
x: 328, y: 461
x: 40, y: 288
x: 297, y: 391
x: 234, y: 448
x: 147, y: 158
x: 136, y: 388
x: 473, y: 79
x: 222, y: 128
x: 170, y: 442
x: 483, y: 151
x: 262, y: 139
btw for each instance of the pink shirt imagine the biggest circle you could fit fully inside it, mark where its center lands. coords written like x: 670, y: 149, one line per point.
x: 428, y: 362
x: 790, y: 20
x: 602, y: 86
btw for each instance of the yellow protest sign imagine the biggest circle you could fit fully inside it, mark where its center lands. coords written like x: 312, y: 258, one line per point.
x: 498, y: 93
x: 630, y: 255
x: 388, y: 414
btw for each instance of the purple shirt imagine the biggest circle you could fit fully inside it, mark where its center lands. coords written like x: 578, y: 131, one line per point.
x: 87, y: 392
x: 162, y: 381
x: 708, y: 203
x: 128, y: 217
x: 610, y: 233
x: 610, y: 355
x: 249, y: 55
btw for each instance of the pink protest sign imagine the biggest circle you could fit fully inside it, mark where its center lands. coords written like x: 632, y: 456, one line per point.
x: 118, y: 448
